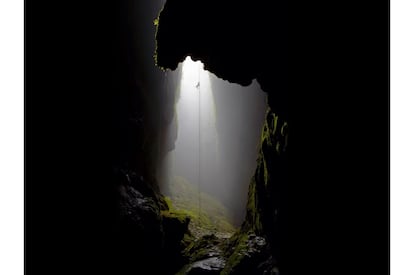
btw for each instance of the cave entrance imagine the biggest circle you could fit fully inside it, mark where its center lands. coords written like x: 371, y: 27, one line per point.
x: 217, y: 126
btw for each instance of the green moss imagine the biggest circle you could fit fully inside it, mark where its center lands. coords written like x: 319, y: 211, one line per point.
x: 265, y: 134
x: 270, y: 130
x: 212, y: 216
x: 253, y: 221
x: 157, y: 25
x: 269, y: 127
x: 239, y: 241
x: 265, y: 173
x: 181, y: 216
x: 187, y: 241
x: 284, y: 134
x: 173, y: 212
x: 199, y: 249
x: 168, y: 202
x: 282, y: 129
x: 196, y: 251
x: 278, y: 147
x: 274, y: 119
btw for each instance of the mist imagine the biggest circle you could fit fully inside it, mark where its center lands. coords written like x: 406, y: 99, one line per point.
x: 218, y: 126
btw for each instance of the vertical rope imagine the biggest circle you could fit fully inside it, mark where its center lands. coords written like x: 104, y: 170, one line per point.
x: 199, y: 146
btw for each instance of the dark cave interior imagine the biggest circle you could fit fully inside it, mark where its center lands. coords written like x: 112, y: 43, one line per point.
x: 95, y: 205
x: 229, y: 41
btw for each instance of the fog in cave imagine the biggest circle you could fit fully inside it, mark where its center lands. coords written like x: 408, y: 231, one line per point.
x: 218, y: 126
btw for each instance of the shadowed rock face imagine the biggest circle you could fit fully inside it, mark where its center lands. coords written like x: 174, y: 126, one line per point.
x: 208, y: 266
x: 236, y: 40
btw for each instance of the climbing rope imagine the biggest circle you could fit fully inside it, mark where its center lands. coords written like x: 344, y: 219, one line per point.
x: 199, y: 146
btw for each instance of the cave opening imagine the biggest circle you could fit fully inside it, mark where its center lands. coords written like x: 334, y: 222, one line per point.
x: 184, y: 126
x: 216, y: 127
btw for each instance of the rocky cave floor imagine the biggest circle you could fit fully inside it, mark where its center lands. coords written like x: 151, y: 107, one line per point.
x: 194, y: 241
x: 217, y: 252
x: 210, y: 243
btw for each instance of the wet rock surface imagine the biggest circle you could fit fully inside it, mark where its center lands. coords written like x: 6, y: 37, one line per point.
x: 139, y: 226
x: 205, y: 255
x: 243, y: 252
x: 149, y: 236
x: 208, y: 266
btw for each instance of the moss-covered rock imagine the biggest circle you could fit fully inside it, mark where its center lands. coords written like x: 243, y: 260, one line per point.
x: 175, y: 227
x: 177, y: 236
x: 205, y: 255
x: 245, y: 252
x: 270, y: 178
x: 206, y: 246
x: 257, y: 245
x: 255, y: 248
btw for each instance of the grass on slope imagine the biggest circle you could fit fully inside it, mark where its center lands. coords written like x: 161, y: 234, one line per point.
x: 213, y: 217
